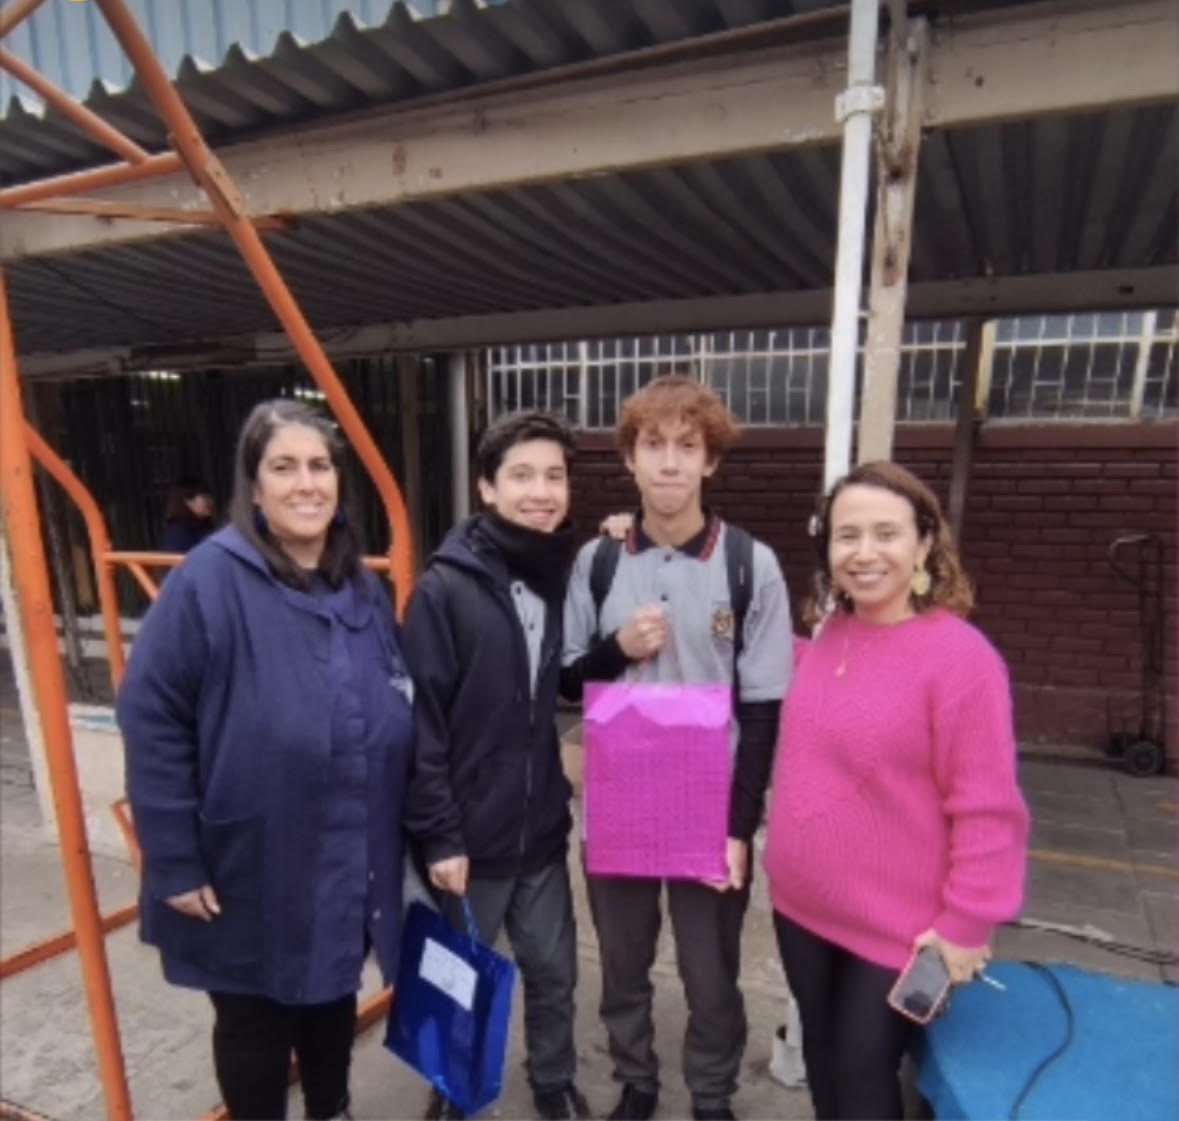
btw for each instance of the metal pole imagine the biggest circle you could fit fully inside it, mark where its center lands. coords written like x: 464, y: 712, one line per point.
x: 98, y: 178
x: 460, y: 427
x: 966, y: 425
x: 31, y: 577
x: 1142, y: 363
x: 72, y: 110
x: 18, y: 652
x: 854, y: 107
x: 100, y: 547
x: 15, y: 12
x: 898, y: 151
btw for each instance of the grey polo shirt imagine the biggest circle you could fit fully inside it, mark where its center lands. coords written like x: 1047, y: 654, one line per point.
x: 691, y: 583
x: 530, y: 609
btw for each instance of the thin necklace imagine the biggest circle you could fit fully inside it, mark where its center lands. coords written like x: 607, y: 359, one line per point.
x: 841, y: 669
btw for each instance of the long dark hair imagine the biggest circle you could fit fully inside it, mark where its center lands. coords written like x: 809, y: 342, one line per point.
x: 340, y: 559
x: 948, y: 584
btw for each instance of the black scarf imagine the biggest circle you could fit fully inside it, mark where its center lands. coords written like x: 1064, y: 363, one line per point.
x: 541, y: 560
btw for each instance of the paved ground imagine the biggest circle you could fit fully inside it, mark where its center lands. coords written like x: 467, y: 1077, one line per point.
x: 1103, y: 854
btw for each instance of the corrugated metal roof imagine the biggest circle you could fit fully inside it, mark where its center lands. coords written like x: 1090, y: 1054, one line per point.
x: 247, y: 65
x: 1046, y: 196
x: 72, y: 46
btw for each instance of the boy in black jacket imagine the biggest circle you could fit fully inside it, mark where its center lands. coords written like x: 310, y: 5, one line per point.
x: 489, y: 801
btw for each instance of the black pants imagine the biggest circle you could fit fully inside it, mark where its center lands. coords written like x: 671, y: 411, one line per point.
x: 537, y: 910
x: 253, y: 1038
x: 707, y: 928
x: 852, y: 1041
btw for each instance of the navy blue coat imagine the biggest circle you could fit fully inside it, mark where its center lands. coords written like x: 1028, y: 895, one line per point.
x: 268, y: 740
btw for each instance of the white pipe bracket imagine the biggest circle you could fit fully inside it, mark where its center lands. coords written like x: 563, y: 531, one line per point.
x: 858, y: 99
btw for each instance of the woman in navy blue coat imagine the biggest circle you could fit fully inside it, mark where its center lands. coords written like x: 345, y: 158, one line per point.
x: 268, y: 731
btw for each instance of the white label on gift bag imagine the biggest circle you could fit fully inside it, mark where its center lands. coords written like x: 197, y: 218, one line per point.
x: 447, y: 971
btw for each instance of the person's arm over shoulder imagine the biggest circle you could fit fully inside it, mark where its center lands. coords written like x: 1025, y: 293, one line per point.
x: 975, y: 768
x: 586, y: 655
x: 431, y: 813
x: 763, y: 670
x: 157, y: 710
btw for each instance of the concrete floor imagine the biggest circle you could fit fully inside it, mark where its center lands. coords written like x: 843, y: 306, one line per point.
x: 1103, y: 853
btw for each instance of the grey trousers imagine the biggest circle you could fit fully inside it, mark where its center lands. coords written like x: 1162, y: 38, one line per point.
x: 707, y: 928
x: 537, y: 910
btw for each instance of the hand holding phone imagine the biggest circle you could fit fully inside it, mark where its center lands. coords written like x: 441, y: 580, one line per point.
x: 922, y: 988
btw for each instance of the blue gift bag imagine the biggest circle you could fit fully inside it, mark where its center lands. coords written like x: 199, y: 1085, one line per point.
x: 451, y: 1009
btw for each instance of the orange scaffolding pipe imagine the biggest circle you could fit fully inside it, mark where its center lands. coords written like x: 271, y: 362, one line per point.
x: 100, y: 208
x: 60, y: 943
x: 74, y: 111
x: 79, y: 182
x: 31, y: 578
x: 228, y: 203
x: 100, y: 543
x: 15, y: 12
x: 19, y: 444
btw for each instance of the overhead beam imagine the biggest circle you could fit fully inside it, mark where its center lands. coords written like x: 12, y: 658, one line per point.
x: 1014, y: 62
x: 729, y: 106
x: 1041, y: 59
x: 1027, y: 295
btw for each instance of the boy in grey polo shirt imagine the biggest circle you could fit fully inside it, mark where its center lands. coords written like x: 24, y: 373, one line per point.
x: 669, y: 614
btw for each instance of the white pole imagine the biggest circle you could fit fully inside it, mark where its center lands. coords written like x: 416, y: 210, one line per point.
x: 29, y: 714
x: 1142, y: 363
x: 460, y: 465
x: 855, y: 108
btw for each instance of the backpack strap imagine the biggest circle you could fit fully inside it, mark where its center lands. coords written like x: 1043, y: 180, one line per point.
x: 739, y: 566
x: 601, y: 576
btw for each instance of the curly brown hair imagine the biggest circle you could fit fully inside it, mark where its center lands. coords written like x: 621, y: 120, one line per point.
x: 949, y: 586
x: 678, y: 397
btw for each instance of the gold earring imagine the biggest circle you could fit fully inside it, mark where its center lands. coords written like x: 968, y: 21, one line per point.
x: 920, y: 582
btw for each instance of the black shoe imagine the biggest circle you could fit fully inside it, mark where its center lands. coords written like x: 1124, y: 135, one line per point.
x: 340, y: 1113
x: 562, y: 1105
x: 634, y: 1105
x: 440, y: 1109
x: 713, y: 1113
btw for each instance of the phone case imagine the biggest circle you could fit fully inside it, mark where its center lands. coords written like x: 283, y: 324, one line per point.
x: 906, y: 1008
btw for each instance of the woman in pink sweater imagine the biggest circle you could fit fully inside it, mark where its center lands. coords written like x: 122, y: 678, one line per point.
x: 895, y: 818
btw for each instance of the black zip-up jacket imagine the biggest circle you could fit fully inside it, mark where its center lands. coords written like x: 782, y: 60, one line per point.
x: 488, y: 781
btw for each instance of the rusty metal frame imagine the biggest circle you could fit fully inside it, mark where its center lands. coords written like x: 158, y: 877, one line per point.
x: 20, y: 445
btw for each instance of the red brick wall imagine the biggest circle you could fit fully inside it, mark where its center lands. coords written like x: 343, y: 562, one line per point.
x: 1043, y: 506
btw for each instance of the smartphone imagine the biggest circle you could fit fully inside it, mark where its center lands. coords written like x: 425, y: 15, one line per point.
x: 922, y: 988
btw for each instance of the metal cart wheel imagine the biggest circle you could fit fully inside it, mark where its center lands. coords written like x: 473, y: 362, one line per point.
x: 1143, y: 758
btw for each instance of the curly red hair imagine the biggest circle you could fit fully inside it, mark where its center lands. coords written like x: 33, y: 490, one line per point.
x: 678, y: 397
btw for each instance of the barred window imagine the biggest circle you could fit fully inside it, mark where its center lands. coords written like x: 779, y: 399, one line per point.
x: 1096, y: 366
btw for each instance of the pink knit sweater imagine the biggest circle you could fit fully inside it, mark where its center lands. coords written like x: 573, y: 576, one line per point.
x: 895, y: 806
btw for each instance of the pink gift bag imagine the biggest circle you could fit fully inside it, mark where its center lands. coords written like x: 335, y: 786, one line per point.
x: 658, y: 767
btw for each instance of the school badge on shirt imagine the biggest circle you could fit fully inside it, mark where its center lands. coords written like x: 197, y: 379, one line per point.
x: 723, y: 624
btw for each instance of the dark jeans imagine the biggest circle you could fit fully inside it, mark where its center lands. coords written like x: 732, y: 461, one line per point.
x: 253, y: 1038
x: 537, y: 910
x: 707, y: 927
x: 852, y: 1040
